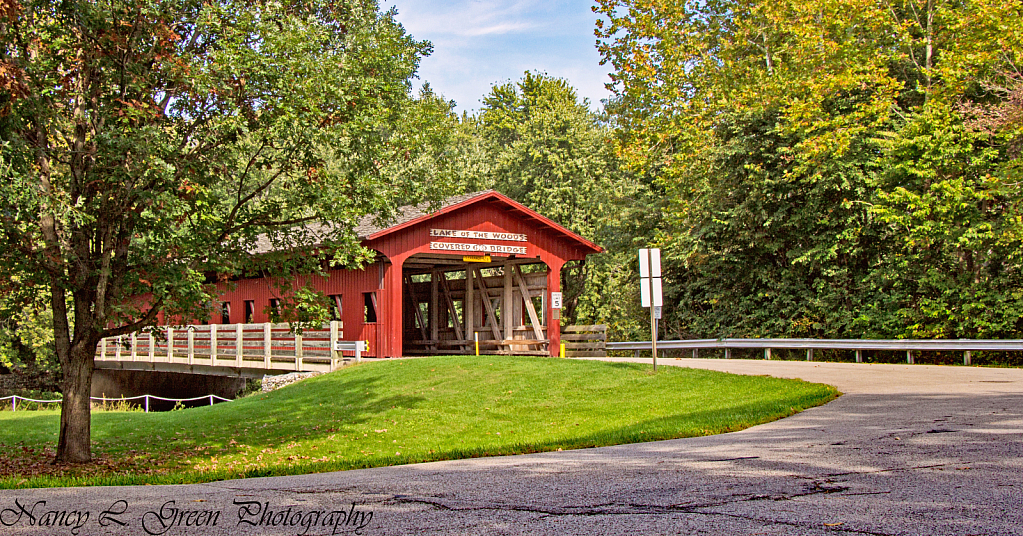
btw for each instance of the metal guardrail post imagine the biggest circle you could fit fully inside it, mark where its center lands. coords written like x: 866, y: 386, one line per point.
x: 859, y: 356
x: 966, y: 357
x: 767, y: 354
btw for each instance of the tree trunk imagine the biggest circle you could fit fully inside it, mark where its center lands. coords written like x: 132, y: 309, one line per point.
x: 74, y: 445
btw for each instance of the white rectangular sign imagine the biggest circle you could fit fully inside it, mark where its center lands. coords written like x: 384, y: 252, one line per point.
x: 650, y: 262
x: 555, y: 300
x: 479, y: 235
x: 650, y: 277
x: 645, y: 284
x: 477, y: 248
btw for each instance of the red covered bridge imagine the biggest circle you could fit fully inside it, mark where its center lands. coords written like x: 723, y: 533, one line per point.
x: 481, y: 266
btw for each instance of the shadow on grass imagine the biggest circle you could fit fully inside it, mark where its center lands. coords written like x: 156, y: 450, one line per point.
x: 307, y: 412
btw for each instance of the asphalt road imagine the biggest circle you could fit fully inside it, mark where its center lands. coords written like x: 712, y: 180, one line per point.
x: 906, y: 450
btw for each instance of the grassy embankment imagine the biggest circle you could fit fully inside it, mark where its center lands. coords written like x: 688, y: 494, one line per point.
x: 404, y: 411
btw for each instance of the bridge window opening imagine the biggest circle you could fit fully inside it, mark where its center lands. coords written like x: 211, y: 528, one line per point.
x: 275, y: 307
x: 225, y: 312
x: 370, y: 307
x: 335, y: 307
x: 250, y: 311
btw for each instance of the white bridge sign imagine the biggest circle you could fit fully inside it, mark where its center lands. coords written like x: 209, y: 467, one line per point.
x: 477, y: 248
x: 479, y: 235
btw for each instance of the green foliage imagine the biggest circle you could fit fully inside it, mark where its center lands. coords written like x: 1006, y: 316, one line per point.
x: 148, y: 147
x: 834, y: 168
x: 547, y: 150
x: 26, y: 336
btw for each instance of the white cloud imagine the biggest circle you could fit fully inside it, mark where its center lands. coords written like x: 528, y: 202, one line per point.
x: 477, y: 44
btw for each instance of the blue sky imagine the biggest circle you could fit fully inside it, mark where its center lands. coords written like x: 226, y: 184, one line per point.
x: 479, y: 43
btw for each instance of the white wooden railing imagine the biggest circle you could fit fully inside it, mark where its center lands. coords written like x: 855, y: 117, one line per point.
x: 272, y: 347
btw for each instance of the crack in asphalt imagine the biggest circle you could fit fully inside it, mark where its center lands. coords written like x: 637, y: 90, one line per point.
x: 896, y: 469
x: 618, y: 509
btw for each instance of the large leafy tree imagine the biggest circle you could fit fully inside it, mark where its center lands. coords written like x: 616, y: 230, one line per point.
x: 548, y: 150
x: 146, y: 144
x: 834, y: 167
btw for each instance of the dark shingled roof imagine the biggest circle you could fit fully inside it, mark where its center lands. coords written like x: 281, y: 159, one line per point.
x: 367, y: 225
x: 314, y: 232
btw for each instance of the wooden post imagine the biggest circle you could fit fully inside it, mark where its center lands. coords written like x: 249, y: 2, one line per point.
x: 213, y: 345
x: 459, y: 334
x: 485, y: 296
x: 266, y: 345
x: 966, y: 358
x: 152, y: 347
x: 434, y: 311
x: 134, y: 346
x: 859, y: 356
x: 528, y: 301
x: 767, y: 353
x: 334, y: 354
x: 809, y: 354
x: 170, y: 344
x: 117, y: 349
x: 508, y: 305
x: 298, y: 352
x: 239, y: 344
x: 468, y: 304
x: 191, y: 344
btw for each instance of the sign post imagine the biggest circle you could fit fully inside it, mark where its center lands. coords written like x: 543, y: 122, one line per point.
x: 650, y: 291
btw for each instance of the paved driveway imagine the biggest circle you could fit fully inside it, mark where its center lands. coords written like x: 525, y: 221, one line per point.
x: 906, y: 450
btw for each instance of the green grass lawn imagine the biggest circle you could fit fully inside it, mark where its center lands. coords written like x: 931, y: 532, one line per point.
x: 404, y: 411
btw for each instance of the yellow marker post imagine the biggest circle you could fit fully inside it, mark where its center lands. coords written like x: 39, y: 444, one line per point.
x: 562, y: 350
x: 477, y: 337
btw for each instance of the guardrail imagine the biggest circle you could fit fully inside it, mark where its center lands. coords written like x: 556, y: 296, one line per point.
x: 14, y: 399
x: 858, y: 345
